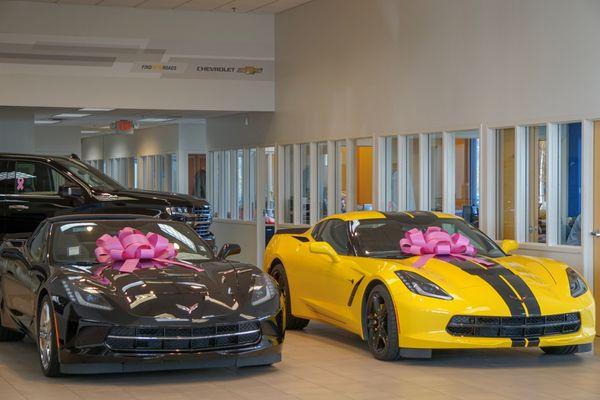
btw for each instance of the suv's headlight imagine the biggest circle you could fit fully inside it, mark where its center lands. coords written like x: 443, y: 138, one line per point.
x: 178, y: 210
x: 421, y: 285
x: 576, y: 283
x: 263, y: 289
x: 87, y: 296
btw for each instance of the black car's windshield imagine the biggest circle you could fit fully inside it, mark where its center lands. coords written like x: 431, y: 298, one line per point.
x: 90, y: 175
x: 75, y: 242
x: 380, y: 238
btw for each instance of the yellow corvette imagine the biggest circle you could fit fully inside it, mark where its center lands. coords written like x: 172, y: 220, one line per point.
x: 349, y: 270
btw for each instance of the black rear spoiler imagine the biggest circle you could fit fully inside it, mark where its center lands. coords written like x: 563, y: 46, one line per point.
x: 292, y: 231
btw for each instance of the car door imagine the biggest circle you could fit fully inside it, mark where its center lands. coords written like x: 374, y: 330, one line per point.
x: 22, y: 276
x: 336, y: 280
x: 35, y: 197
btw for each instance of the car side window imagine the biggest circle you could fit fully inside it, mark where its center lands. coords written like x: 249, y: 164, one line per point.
x: 37, y: 244
x: 316, y: 232
x: 335, y: 232
x: 7, y: 177
x: 37, y: 178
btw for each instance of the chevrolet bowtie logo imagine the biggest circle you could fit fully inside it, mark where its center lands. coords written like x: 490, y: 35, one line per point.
x: 189, y: 309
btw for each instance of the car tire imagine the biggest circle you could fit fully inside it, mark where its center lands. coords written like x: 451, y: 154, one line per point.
x: 46, y: 339
x: 291, y: 322
x: 381, y: 325
x: 560, y: 350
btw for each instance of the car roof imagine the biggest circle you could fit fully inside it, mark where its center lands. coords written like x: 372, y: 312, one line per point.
x: 398, y: 215
x: 97, y: 217
x: 40, y: 157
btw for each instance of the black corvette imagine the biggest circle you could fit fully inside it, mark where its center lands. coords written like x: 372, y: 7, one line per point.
x: 195, y: 309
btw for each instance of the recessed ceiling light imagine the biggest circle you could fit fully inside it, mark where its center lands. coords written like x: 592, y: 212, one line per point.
x: 46, y: 121
x: 89, y: 132
x: 156, y: 119
x: 71, y: 115
x: 95, y: 109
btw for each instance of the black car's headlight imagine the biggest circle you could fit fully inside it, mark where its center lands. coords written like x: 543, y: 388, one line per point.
x: 263, y: 289
x: 421, y: 285
x: 87, y: 296
x: 178, y: 211
x: 576, y: 283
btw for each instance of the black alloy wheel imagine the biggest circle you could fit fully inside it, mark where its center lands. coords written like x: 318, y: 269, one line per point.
x: 291, y: 322
x: 382, y: 327
x: 47, y: 345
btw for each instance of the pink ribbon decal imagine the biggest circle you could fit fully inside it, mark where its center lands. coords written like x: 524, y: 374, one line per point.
x: 437, y: 242
x: 20, y: 184
x: 131, y: 250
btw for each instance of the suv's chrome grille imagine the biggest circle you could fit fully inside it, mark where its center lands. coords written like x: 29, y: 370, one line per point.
x: 203, y: 220
x: 205, y: 338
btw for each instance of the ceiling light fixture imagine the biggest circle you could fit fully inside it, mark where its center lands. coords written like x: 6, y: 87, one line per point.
x: 95, y: 109
x: 71, y: 115
x: 46, y: 121
x: 155, y: 119
x: 85, y: 132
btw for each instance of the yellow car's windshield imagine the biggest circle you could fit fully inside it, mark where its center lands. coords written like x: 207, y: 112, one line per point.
x: 380, y: 238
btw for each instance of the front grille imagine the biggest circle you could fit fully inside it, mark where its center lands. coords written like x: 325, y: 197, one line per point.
x: 514, y: 327
x: 203, y: 220
x: 205, y: 338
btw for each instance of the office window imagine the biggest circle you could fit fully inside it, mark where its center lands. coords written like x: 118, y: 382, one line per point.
x: 412, y: 172
x: 537, y: 167
x: 161, y: 175
x: 341, y: 191
x: 390, y: 173
x: 505, y: 183
x: 252, y: 184
x: 239, y: 183
x: 269, y: 200
x: 322, y: 172
x: 134, y: 160
x: 217, y: 188
x: 466, y: 177
x: 288, y: 184
x: 435, y: 172
x: 569, y: 184
x: 364, y: 174
x: 305, y: 183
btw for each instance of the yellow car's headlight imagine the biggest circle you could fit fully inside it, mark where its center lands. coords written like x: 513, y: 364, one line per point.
x: 422, y: 286
x: 576, y: 283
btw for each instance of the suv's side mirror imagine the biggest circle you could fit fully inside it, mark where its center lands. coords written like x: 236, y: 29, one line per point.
x: 229, y: 249
x: 326, y: 249
x: 508, y: 246
x: 70, y: 191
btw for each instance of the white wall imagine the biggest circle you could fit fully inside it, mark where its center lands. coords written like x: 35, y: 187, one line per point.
x: 191, y: 140
x: 242, y: 233
x: 57, y: 140
x: 16, y: 131
x: 101, y: 47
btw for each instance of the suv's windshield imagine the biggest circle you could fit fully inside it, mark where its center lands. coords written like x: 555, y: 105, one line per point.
x: 90, y: 175
x: 75, y: 242
x: 380, y: 238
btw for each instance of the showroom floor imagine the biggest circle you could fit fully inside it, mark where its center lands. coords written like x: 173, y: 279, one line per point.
x: 324, y: 363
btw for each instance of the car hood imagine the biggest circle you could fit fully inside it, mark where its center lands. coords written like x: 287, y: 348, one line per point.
x: 175, y: 292
x: 153, y: 197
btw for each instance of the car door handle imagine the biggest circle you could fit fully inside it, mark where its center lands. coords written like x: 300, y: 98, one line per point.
x: 18, y: 207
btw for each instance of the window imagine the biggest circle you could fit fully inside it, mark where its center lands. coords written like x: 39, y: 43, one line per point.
x: 239, y: 183
x: 412, y: 172
x: 269, y: 201
x: 305, y: 183
x: 341, y: 191
x: 226, y: 185
x: 335, y: 232
x: 322, y: 175
x: 36, y: 247
x: 537, y: 166
x: 7, y: 177
x: 252, y: 184
x: 364, y: 174
x: 288, y: 184
x: 217, y: 186
x: 390, y: 173
x: 466, y: 177
x: 37, y: 179
x: 435, y: 172
x: 505, y: 183
x: 569, y: 184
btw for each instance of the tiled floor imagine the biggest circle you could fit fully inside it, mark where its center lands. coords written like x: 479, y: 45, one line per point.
x: 324, y: 363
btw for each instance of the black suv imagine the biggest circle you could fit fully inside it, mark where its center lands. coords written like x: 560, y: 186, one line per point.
x: 33, y: 188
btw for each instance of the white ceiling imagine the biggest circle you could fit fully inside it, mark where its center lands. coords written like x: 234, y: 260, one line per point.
x: 243, y: 6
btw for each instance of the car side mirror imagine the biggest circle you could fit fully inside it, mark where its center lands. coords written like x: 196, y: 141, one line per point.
x: 508, y: 246
x: 229, y: 249
x: 70, y: 191
x: 326, y: 249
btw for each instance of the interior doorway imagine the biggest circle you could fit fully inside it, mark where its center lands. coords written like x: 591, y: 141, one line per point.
x: 197, y: 175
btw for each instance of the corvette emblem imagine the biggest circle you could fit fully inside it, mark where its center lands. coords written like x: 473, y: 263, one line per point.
x: 189, y: 309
